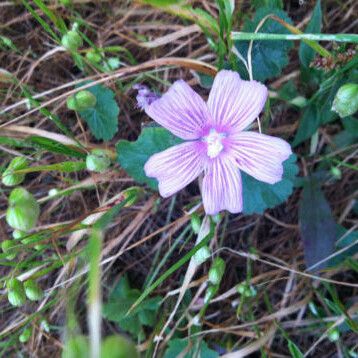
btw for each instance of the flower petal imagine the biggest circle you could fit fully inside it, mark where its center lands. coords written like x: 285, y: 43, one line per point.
x: 180, y: 110
x: 260, y: 155
x: 176, y: 167
x: 222, y: 187
x: 235, y: 103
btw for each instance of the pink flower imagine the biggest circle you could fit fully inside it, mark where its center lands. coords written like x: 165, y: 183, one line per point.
x: 215, y: 141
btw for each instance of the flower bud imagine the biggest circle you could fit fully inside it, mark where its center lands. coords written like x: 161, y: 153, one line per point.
x: 23, y: 210
x: 18, y: 234
x: 93, y: 57
x: 210, y: 293
x: 71, y: 40
x: 25, y: 335
x: 33, y: 290
x: 336, y: 172
x: 145, y: 96
x: 15, y: 292
x: 7, y: 247
x: 346, y: 101
x: 98, y: 161
x: 45, y: 326
x: 216, y: 271
x: 81, y: 101
x: 53, y: 192
x: 246, y: 290
x: 202, y: 255
x: 118, y: 346
x: 195, y: 223
x: 9, y: 178
x: 333, y: 334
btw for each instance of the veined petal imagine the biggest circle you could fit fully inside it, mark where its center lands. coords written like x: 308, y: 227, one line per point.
x: 176, y: 167
x: 180, y: 110
x: 234, y: 103
x: 260, y: 155
x: 222, y: 187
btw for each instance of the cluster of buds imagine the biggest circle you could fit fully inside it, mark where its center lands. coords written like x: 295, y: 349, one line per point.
x: 18, y: 291
x: 332, y: 62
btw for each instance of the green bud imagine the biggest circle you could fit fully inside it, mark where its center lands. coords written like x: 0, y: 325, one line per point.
x: 23, y: 210
x: 98, y: 161
x: 111, y: 64
x: 81, y: 101
x: 246, y: 290
x: 33, y: 290
x: 45, y: 326
x: 299, y: 101
x: 8, y: 178
x: 333, y: 334
x: 202, y: 255
x: 76, y: 347
x: 216, y: 271
x: 116, y: 346
x: 210, y: 293
x: 346, y: 101
x: 195, y: 223
x: 7, y: 248
x: 18, y: 234
x: 53, y: 192
x: 25, y: 335
x: 71, y: 40
x: 93, y: 57
x: 15, y: 292
x: 336, y: 172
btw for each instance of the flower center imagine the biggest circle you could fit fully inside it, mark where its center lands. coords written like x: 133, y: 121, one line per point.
x: 214, y: 143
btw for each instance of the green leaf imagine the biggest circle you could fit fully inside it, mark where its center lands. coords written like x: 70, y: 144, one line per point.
x: 349, y: 135
x: 133, y: 155
x: 306, y: 53
x: 268, y: 57
x: 121, y: 300
x: 309, y: 123
x: 347, y: 240
x: 189, y: 349
x: 294, y: 350
x: 317, y: 225
x: 259, y: 196
x: 56, y: 147
x: 276, y: 4
x: 103, y: 118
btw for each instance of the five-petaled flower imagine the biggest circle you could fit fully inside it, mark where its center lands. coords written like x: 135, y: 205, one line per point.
x: 216, y: 142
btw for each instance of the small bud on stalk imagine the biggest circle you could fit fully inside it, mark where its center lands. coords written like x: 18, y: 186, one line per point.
x: 81, y: 101
x: 98, y: 161
x: 16, y: 292
x: 71, y: 40
x: 346, y: 101
x: 23, y: 210
x: 9, y: 178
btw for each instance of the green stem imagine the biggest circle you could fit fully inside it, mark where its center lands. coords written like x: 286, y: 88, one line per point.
x: 247, y: 36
